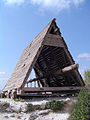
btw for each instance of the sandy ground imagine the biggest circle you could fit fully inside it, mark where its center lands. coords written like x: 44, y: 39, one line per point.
x: 54, y: 116
x: 14, y: 116
x: 24, y: 116
x: 39, y: 101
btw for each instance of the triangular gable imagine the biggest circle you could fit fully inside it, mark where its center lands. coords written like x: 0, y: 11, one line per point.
x: 50, y: 38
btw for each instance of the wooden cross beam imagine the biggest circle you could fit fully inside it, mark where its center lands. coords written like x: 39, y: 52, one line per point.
x: 37, y: 78
x: 67, y: 69
x: 59, y: 72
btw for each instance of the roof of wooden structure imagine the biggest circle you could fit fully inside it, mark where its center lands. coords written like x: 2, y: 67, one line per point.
x: 48, y: 43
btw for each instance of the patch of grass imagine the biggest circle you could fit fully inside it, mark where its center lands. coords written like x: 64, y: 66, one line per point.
x: 37, y: 107
x: 31, y: 107
x: 17, y: 99
x: 82, y: 107
x: 55, y: 105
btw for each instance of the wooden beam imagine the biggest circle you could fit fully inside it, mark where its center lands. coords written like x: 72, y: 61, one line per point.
x: 53, y: 40
x: 67, y: 69
x: 52, y: 89
x: 38, y: 83
x: 62, y: 71
x: 36, y: 79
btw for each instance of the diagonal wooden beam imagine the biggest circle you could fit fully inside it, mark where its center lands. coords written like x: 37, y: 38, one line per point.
x: 62, y: 71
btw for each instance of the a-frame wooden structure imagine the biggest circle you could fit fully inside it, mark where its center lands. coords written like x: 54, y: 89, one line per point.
x: 52, y: 62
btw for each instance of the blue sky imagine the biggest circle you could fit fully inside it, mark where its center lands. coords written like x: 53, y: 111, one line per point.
x: 22, y: 20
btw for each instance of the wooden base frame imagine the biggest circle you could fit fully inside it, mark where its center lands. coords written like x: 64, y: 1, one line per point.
x: 49, y: 91
x: 43, y: 92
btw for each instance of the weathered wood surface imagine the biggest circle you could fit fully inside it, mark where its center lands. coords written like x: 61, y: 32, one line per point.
x: 53, y: 40
x: 25, y: 63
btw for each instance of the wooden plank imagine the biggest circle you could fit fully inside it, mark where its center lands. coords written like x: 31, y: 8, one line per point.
x: 53, y: 36
x: 53, y: 40
x: 51, y: 89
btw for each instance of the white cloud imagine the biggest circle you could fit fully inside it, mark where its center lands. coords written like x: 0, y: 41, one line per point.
x: 2, y: 73
x: 84, y: 55
x: 51, y: 5
x: 77, y: 2
x: 56, y: 5
x: 10, y: 2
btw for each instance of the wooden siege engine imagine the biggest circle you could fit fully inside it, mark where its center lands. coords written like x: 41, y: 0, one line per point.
x: 54, y: 67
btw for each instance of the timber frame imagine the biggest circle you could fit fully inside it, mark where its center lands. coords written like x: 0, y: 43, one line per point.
x: 55, y: 69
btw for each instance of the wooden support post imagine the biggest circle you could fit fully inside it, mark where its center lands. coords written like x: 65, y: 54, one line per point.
x: 27, y: 84
x: 13, y: 94
x: 8, y: 94
x: 31, y: 84
x: 20, y: 92
x: 34, y: 83
x: 3, y: 95
x: 38, y: 83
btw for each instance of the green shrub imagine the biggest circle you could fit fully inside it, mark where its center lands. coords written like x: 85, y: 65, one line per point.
x: 87, y: 77
x: 37, y: 107
x: 82, y: 107
x: 17, y: 99
x: 30, y: 108
x: 55, y: 105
